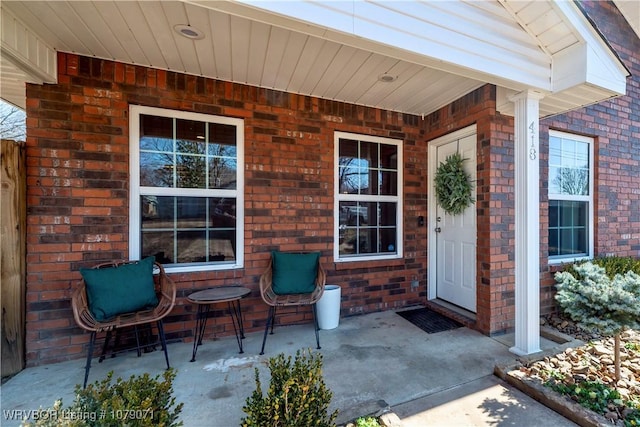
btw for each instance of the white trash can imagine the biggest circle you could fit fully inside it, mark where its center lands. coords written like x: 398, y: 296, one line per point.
x: 328, y: 307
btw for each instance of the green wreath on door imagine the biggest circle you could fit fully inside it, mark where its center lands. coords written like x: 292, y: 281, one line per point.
x: 454, y: 188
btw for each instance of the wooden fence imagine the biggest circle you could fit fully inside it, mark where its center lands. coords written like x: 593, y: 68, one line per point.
x: 12, y: 255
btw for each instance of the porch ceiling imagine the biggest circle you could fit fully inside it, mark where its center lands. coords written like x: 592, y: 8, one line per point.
x: 332, y: 50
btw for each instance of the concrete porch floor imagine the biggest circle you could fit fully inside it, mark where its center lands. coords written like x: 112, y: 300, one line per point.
x: 369, y: 361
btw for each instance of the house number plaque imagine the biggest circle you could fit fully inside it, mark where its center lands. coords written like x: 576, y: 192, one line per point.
x: 532, y: 150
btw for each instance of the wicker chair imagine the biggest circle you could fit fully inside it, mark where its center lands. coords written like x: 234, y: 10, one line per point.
x: 166, y: 293
x: 275, y: 300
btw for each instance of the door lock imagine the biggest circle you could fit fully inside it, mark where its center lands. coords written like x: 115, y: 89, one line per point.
x: 438, y: 229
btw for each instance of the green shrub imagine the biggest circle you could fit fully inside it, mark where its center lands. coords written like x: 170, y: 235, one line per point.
x: 367, y: 422
x: 140, y: 401
x: 591, y: 394
x: 596, y: 301
x: 612, y: 265
x: 297, y: 395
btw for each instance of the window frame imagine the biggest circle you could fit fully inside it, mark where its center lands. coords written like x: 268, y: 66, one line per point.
x: 136, y: 190
x: 559, y: 259
x: 338, y: 197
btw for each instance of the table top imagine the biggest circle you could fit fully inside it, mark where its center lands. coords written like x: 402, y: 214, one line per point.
x: 219, y: 294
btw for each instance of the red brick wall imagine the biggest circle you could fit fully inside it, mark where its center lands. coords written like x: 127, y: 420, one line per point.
x: 615, y: 126
x: 78, y: 213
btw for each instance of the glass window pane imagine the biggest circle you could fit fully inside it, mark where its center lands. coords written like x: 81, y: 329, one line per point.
x: 190, y: 171
x: 580, y: 214
x: 191, y: 212
x: 222, y: 245
x: 568, y: 167
x: 156, y: 170
x: 554, y: 214
x: 580, y: 240
x: 554, y: 180
x: 190, y: 136
x: 192, y: 246
x: 349, y: 180
x: 367, y: 169
x: 388, y: 214
x: 568, y: 228
x: 367, y: 241
x: 222, y: 172
x: 582, y: 155
x: 355, y: 213
x: 222, y: 134
x: 566, y: 214
x: 388, y: 156
x: 566, y: 241
x: 181, y: 153
x: 555, y: 152
x: 158, y: 244
x: 568, y: 153
x: 347, y: 241
x: 348, y: 152
x: 223, y: 212
x: 157, y: 212
x: 389, y: 183
x: 368, y: 154
x: 388, y: 240
x: 554, y: 242
x: 368, y: 181
x: 156, y: 133
x: 367, y: 214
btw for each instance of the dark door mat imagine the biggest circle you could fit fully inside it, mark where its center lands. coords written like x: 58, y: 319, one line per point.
x: 428, y: 320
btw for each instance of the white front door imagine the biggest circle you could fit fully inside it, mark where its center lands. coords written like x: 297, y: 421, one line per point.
x: 455, y: 245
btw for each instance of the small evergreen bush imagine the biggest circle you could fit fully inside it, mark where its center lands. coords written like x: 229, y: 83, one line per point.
x: 612, y: 265
x: 297, y: 395
x: 596, y: 301
x: 141, y: 401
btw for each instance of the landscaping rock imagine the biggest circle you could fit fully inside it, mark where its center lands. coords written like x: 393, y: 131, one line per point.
x: 593, y: 361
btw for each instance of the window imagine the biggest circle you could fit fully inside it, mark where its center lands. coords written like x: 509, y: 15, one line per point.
x: 186, y: 189
x: 570, y: 197
x: 368, y: 197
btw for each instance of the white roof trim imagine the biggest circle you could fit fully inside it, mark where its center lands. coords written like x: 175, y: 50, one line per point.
x: 395, y: 33
x: 592, y: 62
x: 25, y: 58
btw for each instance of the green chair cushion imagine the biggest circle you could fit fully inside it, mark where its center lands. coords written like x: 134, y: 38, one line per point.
x: 294, y: 273
x: 118, y: 290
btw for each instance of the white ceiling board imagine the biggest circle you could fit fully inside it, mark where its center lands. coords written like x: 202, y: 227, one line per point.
x: 221, y: 26
x: 439, y: 50
x: 292, y: 55
x: 240, y: 48
x: 203, y: 51
x: 185, y: 50
x: 157, y: 22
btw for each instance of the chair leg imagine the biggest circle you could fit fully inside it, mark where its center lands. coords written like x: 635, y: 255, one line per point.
x: 163, y: 341
x: 135, y: 330
x: 266, y: 328
x: 87, y: 367
x: 315, y: 323
x: 273, y: 319
x: 105, y: 346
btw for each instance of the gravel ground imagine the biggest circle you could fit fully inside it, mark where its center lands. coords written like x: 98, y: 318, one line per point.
x: 593, y: 361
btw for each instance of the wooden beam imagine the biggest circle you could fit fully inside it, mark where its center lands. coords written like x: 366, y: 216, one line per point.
x: 12, y: 255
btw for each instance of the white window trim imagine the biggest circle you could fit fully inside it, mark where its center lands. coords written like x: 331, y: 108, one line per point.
x: 134, y: 191
x: 366, y: 198
x: 560, y: 259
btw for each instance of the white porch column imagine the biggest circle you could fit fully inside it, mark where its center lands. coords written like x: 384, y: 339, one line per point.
x: 527, y: 217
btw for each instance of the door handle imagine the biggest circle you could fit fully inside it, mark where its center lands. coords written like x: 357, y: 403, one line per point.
x: 438, y: 229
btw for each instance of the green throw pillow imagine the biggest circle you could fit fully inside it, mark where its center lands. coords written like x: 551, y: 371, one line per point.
x: 294, y: 273
x: 117, y: 290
